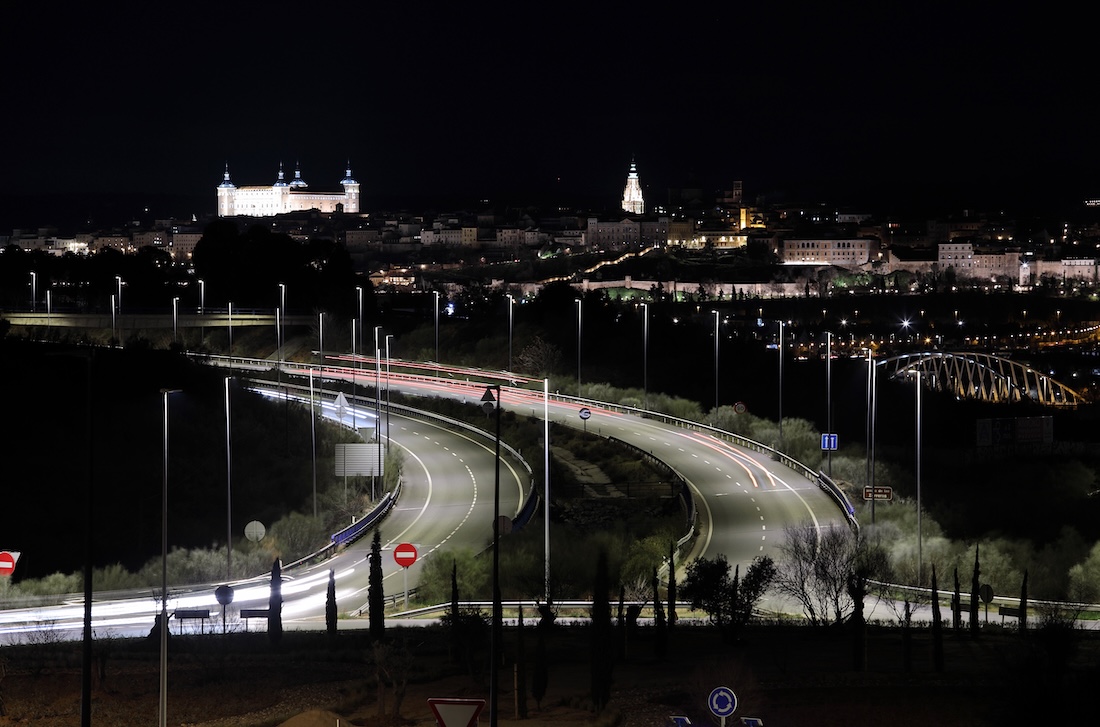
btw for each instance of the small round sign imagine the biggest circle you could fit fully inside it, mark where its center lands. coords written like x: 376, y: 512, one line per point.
x: 740, y: 407
x: 255, y: 531
x: 224, y: 594
x: 585, y: 413
x: 405, y: 554
x: 722, y: 702
x: 985, y: 591
x: 7, y: 563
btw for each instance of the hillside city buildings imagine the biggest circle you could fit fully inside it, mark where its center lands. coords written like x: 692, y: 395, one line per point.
x: 806, y: 239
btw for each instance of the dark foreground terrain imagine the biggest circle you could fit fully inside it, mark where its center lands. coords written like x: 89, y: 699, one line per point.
x: 784, y: 675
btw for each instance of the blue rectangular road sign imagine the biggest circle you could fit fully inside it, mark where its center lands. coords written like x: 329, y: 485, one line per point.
x: 828, y: 442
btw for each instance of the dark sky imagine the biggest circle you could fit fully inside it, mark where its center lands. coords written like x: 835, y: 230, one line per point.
x: 485, y: 99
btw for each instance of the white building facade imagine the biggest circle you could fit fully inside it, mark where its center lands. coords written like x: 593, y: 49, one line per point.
x: 283, y: 196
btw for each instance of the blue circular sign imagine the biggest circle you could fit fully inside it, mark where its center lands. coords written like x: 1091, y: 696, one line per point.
x: 722, y: 702
x: 585, y: 413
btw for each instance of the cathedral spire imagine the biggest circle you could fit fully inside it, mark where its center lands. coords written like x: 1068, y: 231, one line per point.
x: 632, y: 194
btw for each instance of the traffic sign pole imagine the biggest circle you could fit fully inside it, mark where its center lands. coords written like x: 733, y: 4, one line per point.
x: 405, y: 555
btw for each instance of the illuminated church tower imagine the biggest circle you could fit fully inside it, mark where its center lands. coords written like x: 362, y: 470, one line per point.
x: 632, y: 195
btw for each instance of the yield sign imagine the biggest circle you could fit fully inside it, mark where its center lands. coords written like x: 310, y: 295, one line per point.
x: 456, y: 712
x: 8, y: 559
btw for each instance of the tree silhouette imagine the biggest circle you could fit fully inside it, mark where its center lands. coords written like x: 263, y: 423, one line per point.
x: 375, y: 598
x: 330, y: 605
x: 275, y: 605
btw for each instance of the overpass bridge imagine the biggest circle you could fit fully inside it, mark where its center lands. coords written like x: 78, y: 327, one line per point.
x: 981, y: 376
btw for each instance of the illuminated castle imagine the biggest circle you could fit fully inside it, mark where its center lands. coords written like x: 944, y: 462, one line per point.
x: 632, y: 195
x: 284, y: 196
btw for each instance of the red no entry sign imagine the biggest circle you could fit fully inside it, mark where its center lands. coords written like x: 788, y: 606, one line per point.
x: 405, y: 554
x: 7, y: 562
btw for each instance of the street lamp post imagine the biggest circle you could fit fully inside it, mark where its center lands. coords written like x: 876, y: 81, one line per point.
x: 388, y: 337
x: 359, y: 293
x: 645, y: 357
x: 829, y: 395
x: 715, y: 358
x: 282, y: 307
x: 230, y: 333
x: 175, y: 319
x: 377, y: 403
x: 496, y: 634
x: 118, y: 280
x: 577, y: 304
x: 870, y: 454
x: 546, y: 479
x: 920, y: 531
x: 34, y: 291
x: 228, y: 490
x: 313, y: 438
x: 780, y: 352
x: 436, y: 294
x: 510, y: 302
x: 164, y: 569
x: 114, y: 329
x: 202, y: 296
x: 49, y: 309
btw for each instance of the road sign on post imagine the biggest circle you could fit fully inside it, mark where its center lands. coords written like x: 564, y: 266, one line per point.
x: 8, y: 559
x: 456, y: 712
x: 405, y: 554
x: 722, y: 703
x: 877, y: 492
x: 828, y: 442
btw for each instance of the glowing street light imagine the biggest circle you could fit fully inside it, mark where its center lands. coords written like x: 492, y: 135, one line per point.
x: 34, y: 291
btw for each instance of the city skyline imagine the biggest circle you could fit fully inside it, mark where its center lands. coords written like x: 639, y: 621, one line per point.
x: 894, y: 107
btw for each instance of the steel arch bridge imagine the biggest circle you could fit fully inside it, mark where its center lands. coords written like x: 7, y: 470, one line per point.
x: 981, y: 376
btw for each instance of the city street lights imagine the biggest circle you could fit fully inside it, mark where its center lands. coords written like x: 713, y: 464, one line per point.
x: 164, y: 569
x: 715, y: 358
x: 577, y: 304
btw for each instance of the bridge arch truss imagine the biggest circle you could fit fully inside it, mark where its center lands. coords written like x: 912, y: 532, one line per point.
x: 981, y: 376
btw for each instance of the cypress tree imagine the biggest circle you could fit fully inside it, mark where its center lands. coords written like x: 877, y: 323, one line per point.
x: 660, y: 628
x: 542, y: 671
x: 376, y: 604
x: 937, y: 625
x: 671, y: 585
x: 601, y: 637
x: 1023, y: 605
x: 956, y: 606
x: 974, y: 586
x: 521, y: 669
x: 330, y: 605
x: 275, y: 605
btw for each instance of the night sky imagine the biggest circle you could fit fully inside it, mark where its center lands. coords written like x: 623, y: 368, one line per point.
x: 903, y: 105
